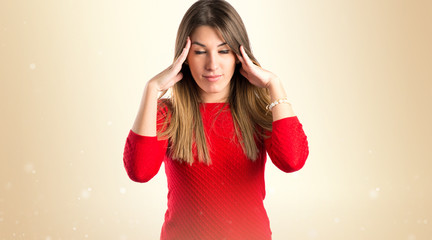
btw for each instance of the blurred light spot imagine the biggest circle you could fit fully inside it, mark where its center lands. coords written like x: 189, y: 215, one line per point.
x: 122, y: 190
x: 373, y: 194
x: 411, y: 237
x: 89, y: 189
x: 86, y: 236
x: 362, y: 228
x: 32, y: 66
x: 100, y: 52
x: 336, y: 220
x: 8, y: 185
x: 370, y: 151
x: 74, y: 228
x: 425, y: 221
x: 85, y: 194
x: 48, y: 238
x: 109, y: 123
x: 312, y: 233
x: 123, y: 237
x: 82, y: 151
x: 29, y: 168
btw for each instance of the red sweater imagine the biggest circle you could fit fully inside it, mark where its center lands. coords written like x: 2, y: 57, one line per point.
x: 223, y: 200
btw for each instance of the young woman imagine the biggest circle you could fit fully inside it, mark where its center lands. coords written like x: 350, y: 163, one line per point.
x: 223, y: 114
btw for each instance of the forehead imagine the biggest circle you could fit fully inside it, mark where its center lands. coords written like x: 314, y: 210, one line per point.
x: 207, y: 36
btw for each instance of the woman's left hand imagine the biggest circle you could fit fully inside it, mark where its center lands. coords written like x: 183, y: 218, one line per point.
x: 255, y: 74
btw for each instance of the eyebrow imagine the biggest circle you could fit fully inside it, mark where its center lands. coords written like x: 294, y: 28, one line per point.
x: 202, y: 45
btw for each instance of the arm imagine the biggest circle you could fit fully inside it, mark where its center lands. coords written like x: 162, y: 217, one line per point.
x: 143, y: 155
x: 143, y: 152
x: 287, y: 144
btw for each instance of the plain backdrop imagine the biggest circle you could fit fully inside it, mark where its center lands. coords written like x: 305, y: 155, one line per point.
x: 358, y: 74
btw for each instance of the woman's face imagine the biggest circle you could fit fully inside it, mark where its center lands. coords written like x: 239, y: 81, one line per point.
x: 212, y: 64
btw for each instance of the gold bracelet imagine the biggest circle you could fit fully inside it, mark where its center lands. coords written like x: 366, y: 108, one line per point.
x: 281, y: 100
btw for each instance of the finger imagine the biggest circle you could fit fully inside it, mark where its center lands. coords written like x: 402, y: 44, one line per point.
x: 180, y: 60
x: 246, y: 58
x: 178, y: 77
x: 243, y: 72
x: 240, y: 58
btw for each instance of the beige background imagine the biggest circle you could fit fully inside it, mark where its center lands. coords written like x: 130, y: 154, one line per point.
x: 358, y: 73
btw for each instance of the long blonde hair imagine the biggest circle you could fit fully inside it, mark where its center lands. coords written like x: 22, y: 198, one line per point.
x: 184, y: 127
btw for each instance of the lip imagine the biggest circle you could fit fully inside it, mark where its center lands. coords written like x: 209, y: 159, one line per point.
x: 212, y: 78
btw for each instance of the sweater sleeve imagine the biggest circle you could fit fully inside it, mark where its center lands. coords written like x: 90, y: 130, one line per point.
x: 287, y: 144
x: 143, y: 155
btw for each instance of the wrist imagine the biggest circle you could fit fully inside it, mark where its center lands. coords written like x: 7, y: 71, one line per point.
x: 152, y: 88
x: 273, y: 82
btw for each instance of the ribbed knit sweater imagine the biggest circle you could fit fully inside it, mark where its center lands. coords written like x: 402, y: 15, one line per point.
x: 223, y: 200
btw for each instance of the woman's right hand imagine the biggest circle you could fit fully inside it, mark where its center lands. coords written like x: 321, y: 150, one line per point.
x: 170, y: 76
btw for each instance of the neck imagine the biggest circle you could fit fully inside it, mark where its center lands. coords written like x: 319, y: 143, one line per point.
x: 214, y: 98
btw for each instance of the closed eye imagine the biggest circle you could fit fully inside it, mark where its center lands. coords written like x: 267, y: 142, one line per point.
x: 202, y: 52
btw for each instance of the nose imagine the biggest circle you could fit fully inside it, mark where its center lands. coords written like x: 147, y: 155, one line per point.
x: 211, y: 62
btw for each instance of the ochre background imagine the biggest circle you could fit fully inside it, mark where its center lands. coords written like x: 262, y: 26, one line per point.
x: 358, y: 73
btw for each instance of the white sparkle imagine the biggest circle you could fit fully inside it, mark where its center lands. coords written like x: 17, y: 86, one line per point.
x: 85, y: 194
x: 122, y: 190
x: 29, y: 168
x: 312, y: 233
x: 373, y: 194
x: 32, y: 66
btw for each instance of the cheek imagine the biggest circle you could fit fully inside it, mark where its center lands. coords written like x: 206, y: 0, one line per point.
x: 194, y: 64
x: 229, y: 65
